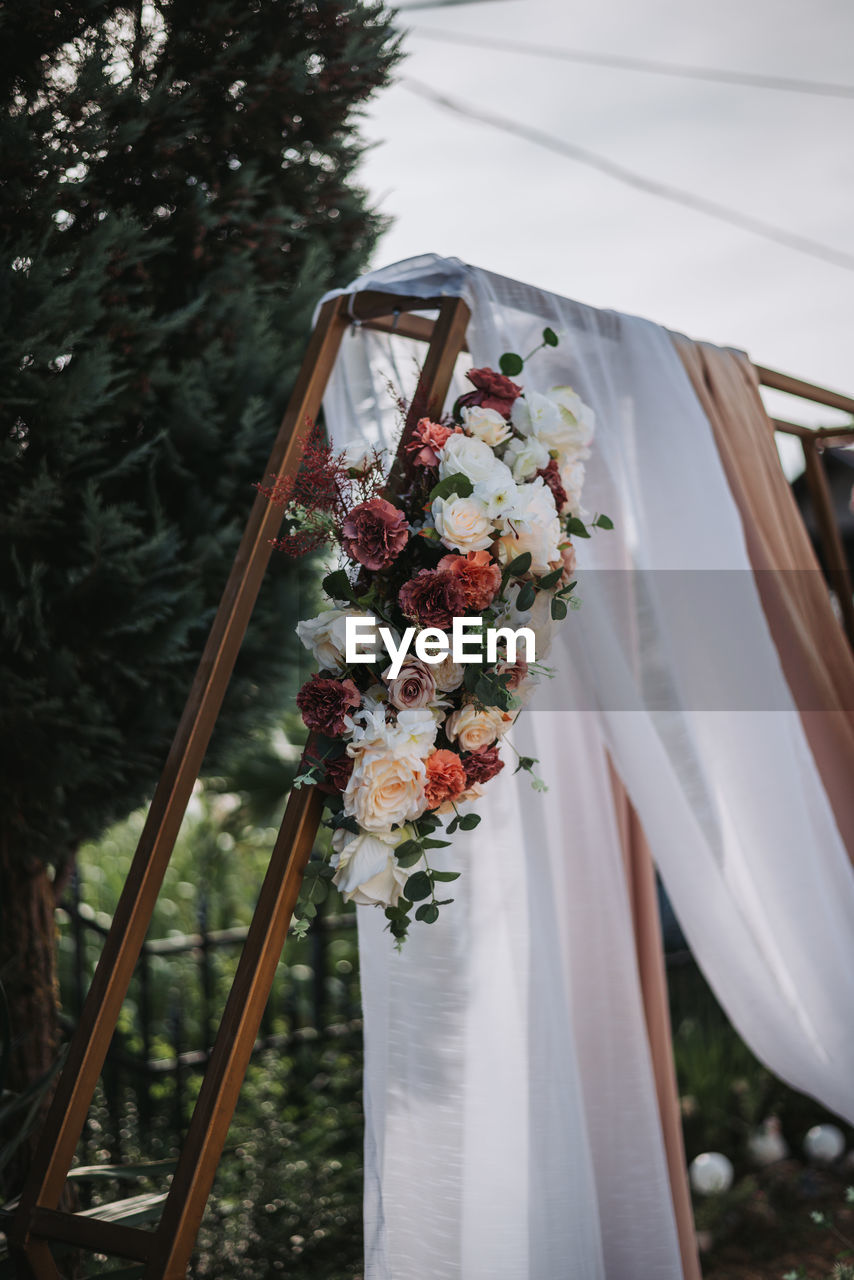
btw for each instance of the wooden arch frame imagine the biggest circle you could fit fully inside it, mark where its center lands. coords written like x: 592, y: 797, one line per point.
x: 165, y: 1251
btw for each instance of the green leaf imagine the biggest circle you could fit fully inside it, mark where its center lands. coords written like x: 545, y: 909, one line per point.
x: 452, y: 826
x: 520, y: 565
x: 550, y: 580
x: 408, y: 859
x: 510, y: 364
x: 526, y: 762
x: 604, y: 522
x: 428, y: 913
x: 435, y: 844
x: 526, y: 596
x: 406, y: 847
x: 469, y: 821
x: 307, y: 910
x: 337, y: 585
x: 550, y: 338
x: 418, y: 886
x: 457, y: 483
x: 444, y: 877
x: 558, y: 609
x: 577, y: 527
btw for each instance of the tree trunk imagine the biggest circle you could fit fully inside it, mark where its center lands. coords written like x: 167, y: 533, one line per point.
x: 29, y: 975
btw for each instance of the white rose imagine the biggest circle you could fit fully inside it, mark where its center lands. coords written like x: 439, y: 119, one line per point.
x: 486, y: 424
x: 367, y: 872
x: 413, y: 732
x: 357, y: 455
x: 572, y: 479
x: 463, y: 524
x: 578, y: 418
x: 325, y: 636
x: 385, y: 789
x: 463, y: 455
x: 526, y: 456
x: 474, y: 729
x: 448, y: 675
x: 535, y: 527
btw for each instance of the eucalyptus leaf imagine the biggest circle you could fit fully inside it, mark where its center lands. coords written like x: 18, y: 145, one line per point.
x: 456, y: 484
x: 604, y: 522
x: 550, y: 338
x: 510, y: 364
x: 443, y: 877
x: 408, y: 859
x: 558, y: 609
x: 520, y: 565
x: 418, y: 886
x: 428, y: 913
x: 526, y: 596
x: 469, y: 821
x: 577, y: 528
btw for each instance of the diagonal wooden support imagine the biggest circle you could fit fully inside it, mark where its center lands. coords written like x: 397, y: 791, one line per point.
x: 167, y: 1250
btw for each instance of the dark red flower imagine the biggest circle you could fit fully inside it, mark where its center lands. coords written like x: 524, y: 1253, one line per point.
x: 337, y: 773
x: 551, y: 475
x: 480, y: 766
x: 374, y: 533
x: 324, y: 703
x: 433, y: 598
x: 494, y: 391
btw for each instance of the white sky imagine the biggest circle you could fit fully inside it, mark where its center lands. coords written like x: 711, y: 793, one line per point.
x: 461, y: 189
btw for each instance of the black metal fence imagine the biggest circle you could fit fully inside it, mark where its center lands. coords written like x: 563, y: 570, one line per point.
x: 169, y: 1019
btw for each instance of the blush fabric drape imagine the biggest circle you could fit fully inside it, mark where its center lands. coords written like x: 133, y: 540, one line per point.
x: 813, y: 648
x: 513, y: 1126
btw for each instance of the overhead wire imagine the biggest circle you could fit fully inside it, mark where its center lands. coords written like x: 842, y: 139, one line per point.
x: 621, y: 173
x: 620, y: 62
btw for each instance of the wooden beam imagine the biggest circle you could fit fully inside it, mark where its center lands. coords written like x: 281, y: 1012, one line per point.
x: 805, y: 390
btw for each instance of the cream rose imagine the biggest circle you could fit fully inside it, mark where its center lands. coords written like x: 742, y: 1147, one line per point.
x: 385, y: 789
x: 325, y: 636
x: 463, y: 524
x: 367, y: 872
x: 448, y: 675
x: 572, y: 479
x: 474, y: 729
x: 486, y: 425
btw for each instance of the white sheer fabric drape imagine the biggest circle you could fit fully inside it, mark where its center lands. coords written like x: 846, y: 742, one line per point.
x: 511, y: 1122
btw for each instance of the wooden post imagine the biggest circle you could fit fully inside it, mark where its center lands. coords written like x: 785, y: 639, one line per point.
x: 835, y: 560
x: 167, y: 1250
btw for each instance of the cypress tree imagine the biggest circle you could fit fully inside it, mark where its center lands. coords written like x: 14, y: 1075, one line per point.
x: 178, y: 191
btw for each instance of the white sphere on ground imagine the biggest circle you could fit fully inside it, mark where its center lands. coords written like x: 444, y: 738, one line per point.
x: 711, y: 1173
x: 824, y: 1143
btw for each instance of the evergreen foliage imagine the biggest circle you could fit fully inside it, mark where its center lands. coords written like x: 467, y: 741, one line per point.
x: 178, y: 192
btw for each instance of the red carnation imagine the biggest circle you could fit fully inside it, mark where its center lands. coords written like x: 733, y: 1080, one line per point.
x: 446, y: 778
x: 324, y: 703
x: 551, y: 475
x: 337, y: 773
x: 494, y: 391
x: 433, y: 598
x: 480, y: 766
x: 479, y: 576
x: 374, y: 533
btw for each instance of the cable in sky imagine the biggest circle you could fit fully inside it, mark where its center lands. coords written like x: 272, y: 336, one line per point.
x: 618, y: 62
x: 745, y: 221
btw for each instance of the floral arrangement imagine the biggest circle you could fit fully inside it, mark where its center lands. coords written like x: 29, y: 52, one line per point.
x: 475, y: 520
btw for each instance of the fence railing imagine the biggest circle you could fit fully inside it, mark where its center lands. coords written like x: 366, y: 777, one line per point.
x: 169, y: 1020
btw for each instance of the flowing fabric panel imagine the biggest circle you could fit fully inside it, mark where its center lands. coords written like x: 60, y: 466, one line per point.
x: 503, y: 1045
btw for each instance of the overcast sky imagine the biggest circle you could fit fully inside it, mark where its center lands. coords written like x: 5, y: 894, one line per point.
x: 461, y: 189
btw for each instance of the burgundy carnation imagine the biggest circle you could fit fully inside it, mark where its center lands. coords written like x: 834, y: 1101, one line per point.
x: 494, y: 391
x: 433, y: 598
x: 324, y: 703
x: 337, y: 773
x: 551, y: 475
x: 480, y: 766
x: 374, y: 533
